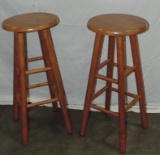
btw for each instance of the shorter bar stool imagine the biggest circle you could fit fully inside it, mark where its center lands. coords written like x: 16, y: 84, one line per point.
x: 116, y: 27
x: 20, y: 25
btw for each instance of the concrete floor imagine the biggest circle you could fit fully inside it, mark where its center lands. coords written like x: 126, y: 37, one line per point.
x: 47, y: 134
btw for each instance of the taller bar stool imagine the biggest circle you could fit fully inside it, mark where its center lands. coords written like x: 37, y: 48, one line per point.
x: 20, y: 25
x: 116, y: 27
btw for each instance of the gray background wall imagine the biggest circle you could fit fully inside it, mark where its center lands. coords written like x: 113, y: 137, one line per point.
x: 74, y: 42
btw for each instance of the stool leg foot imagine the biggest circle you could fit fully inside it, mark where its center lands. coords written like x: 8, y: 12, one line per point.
x: 139, y: 79
x: 111, y: 45
x: 23, y: 96
x: 46, y: 42
x: 91, y: 81
x: 121, y: 93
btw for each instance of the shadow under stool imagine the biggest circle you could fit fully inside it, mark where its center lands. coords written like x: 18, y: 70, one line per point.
x: 117, y: 27
x: 41, y: 23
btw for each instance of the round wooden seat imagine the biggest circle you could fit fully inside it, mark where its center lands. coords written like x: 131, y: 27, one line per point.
x: 117, y: 24
x: 30, y: 22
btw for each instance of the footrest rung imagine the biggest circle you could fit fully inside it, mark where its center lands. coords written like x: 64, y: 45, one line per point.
x: 126, y: 93
x: 104, y: 110
x: 39, y: 70
x: 34, y: 59
x: 107, y: 79
x: 133, y: 102
x: 136, y: 98
x: 103, y: 64
x: 99, y: 92
x: 42, y: 102
x: 37, y: 85
x: 125, y: 67
x: 129, y: 70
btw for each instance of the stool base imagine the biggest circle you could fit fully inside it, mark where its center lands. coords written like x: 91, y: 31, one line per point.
x: 20, y: 80
x: 123, y: 72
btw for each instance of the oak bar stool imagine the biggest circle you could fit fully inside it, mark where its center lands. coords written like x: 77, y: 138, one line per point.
x: 117, y: 27
x: 20, y: 25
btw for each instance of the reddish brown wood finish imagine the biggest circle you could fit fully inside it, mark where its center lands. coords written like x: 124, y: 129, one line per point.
x: 117, y: 24
x: 117, y: 27
x: 121, y: 92
x: 47, y: 45
x: 16, y: 90
x: 49, y: 73
x: 139, y: 78
x: 22, y: 87
x: 30, y: 22
x: 91, y: 81
x: 20, y: 25
x: 111, y: 46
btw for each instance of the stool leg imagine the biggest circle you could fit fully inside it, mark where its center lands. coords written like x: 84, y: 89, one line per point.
x: 16, y: 92
x: 111, y: 45
x: 46, y: 42
x: 50, y: 78
x: 91, y: 82
x: 23, y: 96
x: 139, y: 79
x: 121, y: 93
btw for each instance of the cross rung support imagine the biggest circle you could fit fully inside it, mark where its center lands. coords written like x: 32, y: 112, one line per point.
x: 39, y: 70
x: 99, y: 92
x: 107, y: 79
x: 103, y: 64
x: 126, y: 93
x: 42, y: 102
x: 133, y: 102
x: 125, y: 67
x: 37, y: 85
x: 104, y: 110
x: 34, y: 59
x: 129, y: 70
x: 136, y: 98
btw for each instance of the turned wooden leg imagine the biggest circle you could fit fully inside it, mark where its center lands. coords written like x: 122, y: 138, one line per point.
x: 91, y: 81
x: 23, y: 93
x: 16, y: 95
x: 111, y: 46
x: 139, y: 79
x: 50, y: 77
x: 121, y: 93
x: 46, y: 42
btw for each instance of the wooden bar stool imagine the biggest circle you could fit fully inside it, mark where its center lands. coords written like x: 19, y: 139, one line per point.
x: 20, y: 25
x: 117, y: 27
